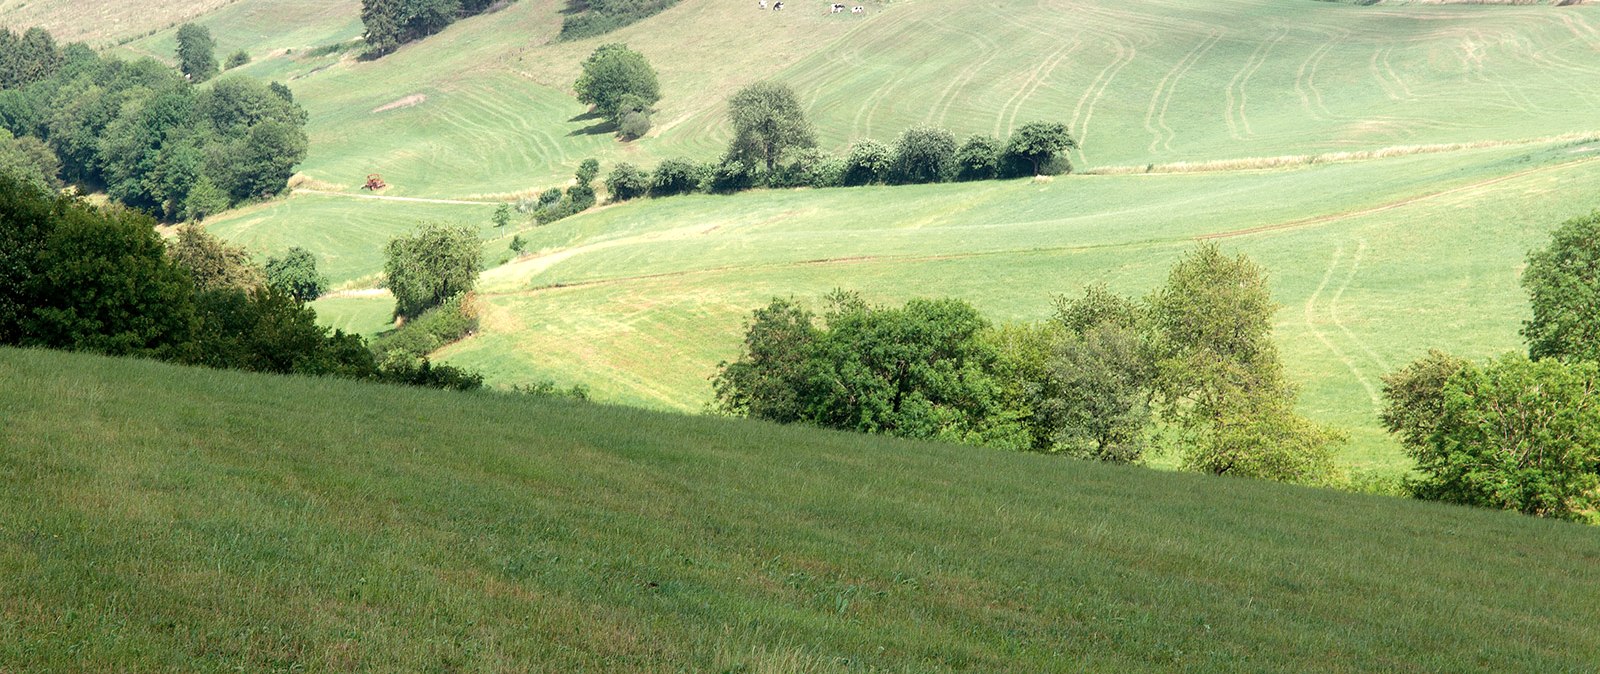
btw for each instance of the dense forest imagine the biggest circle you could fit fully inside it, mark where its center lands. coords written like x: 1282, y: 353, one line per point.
x: 142, y: 131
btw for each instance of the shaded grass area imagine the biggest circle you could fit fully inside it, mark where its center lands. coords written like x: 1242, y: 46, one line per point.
x: 159, y: 518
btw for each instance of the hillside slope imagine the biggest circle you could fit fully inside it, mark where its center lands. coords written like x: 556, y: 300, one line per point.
x: 156, y: 518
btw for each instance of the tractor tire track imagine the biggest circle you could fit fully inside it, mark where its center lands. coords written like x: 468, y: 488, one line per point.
x: 1162, y: 98
x: 1310, y: 320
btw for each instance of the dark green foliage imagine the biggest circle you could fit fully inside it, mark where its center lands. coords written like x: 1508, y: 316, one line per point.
x: 79, y: 278
x: 1098, y: 400
x: 452, y: 320
x: 197, y: 53
x: 517, y: 244
x: 627, y: 182
x: 768, y: 123
x: 588, y: 18
x: 296, y: 274
x: 732, y: 175
x: 238, y: 59
x: 1563, y: 284
x: 587, y: 171
x: 676, y: 176
x: 391, y: 23
x: 770, y: 380
x: 549, y: 197
x: 410, y: 372
x: 548, y: 389
x: 211, y: 263
x: 30, y: 161
x: 869, y: 162
x: 1039, y: 146
x: 152, y: 141
x: 267, y: 330
x: 634, y: 124
x: 802, y: 170
x: 29, y: 57
x: 1414, y: 397
x: 923, y: 154
x: 502, y: 215
x: 978, y: 158
x: 919, y: 371
x: 619, y: 82
x: 1513, y: 434
x: 431, y: 265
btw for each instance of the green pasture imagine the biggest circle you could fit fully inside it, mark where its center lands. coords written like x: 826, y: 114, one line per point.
x: 1372, y: 262
x: 1139, y: 82
x: 346, y: 234
x: 158, y: 518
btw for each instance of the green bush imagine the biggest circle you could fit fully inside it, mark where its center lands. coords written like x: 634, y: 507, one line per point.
x: 978, y: 158
x: 452, y: 320
x: 869, y: 162
x: 430, y: 266
x: 627, y: 182
x: 923, y: 154
x: 676, y: 176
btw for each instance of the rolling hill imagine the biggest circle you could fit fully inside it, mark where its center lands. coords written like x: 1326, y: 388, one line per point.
x: 1465, y: 128
x: 158, y: 518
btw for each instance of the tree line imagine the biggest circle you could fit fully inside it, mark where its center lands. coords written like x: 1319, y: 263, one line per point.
x: 145, y: 134
x: 100, y: 279
x: 391, y: 23
x: 588, y: 18
x: 1190, y: 368
x: 775, y: 146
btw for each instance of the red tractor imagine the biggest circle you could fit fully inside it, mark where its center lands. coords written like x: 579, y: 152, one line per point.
x: 374, y: 183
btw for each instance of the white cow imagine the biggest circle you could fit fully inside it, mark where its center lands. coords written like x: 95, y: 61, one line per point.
x: 857, y: 9
x: 837, y: 8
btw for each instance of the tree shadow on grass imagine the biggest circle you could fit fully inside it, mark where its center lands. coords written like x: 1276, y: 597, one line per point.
x: 604, y: 126
x: 587, y: 115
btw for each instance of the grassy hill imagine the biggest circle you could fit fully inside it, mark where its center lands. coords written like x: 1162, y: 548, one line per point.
x: 1373, y: 261
x: 157, y: 518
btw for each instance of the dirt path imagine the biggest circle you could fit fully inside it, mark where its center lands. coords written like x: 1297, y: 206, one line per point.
x: 363, y: 292
x: 380, y: 197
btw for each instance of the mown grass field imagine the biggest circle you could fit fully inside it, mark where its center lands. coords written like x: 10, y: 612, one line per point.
x: 158, y: 518
x: 1373, y: 261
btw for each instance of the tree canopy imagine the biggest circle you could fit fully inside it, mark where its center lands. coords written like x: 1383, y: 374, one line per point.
x: 768, y: 123
x: 427, y: 267
x: 1563, y: 284
x: 618, y: 81
x: 197, y: 52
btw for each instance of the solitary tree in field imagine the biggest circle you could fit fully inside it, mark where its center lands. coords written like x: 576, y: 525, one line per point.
x: 197, y: 52
x: 621, y: 86
x: 1043, y: 145
x: 1563, y: 283
x: 431, y: 265
x: 768, y: 122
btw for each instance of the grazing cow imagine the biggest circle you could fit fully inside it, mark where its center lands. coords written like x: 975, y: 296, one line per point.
x: 837, y: 8
x: 761, y: 3
x: 857, y: 9
x: 777, y: 6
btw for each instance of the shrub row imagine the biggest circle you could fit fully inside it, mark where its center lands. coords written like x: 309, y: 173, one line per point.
x: 921, y: 155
